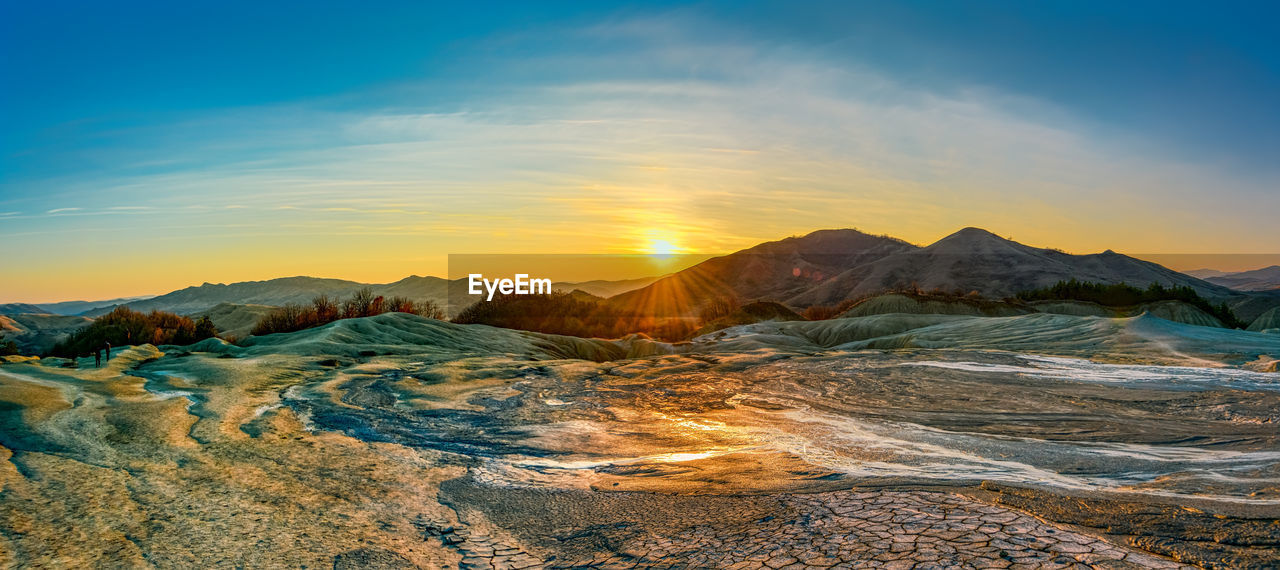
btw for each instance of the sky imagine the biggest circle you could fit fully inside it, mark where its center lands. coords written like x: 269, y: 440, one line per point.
x: 146, y: 147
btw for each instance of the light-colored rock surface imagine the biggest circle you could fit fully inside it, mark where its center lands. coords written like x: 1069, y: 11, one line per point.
x: 880, y: 529
x: 397, y: 441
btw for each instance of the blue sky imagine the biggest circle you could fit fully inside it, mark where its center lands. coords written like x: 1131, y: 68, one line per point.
x: 237, y: 140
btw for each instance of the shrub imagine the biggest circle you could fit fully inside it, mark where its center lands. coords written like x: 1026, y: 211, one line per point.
x: 718, y: 307
x: 564, y: 313
x: 824, y: 312
x: 361, y: 304
x: 124, y: 326
x: 323, y: 310
x: 8, y: 347
x: 820, y: 313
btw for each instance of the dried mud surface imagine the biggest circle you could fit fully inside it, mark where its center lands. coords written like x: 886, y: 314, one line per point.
x: 397, y: 442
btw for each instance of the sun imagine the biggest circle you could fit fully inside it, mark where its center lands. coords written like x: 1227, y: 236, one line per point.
x: 663, y: 247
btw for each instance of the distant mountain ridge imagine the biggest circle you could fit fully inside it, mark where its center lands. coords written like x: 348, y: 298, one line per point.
x: 21, y: 309
x: 78, y: 307
x: 974, y: 259
x: 828, y: 267
x: 822, y: 268
x: 276, y: 292
x: 774, y: 271
x: 1265, y: 279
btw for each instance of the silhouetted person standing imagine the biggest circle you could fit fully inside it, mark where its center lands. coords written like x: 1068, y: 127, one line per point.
x: 97, y: 358
x: 108, y: 347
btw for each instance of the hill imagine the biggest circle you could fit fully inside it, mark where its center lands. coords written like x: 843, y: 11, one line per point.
x: 79, y: 307
x: 974, y: 259
x: 20, y: 309
x: 757, y: 312
x: 1140, y: 339
x: 776, y: 271
x: 942, y: 304
x: 1265, y: 279
x: 276, y: 292
x: 830, y: 267
x: 1268, y: 321
x: 605, y: 288
x: 281, y: 291
x: 826, y: 269
x: 234, y: 320
x: 1206, y: 273
x: 923, y: 304
x: 36, y: 333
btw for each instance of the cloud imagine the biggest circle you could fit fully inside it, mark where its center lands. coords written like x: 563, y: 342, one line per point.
x: 670, y: 130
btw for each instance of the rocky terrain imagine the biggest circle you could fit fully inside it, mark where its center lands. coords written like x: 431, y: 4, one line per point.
x: 398, y: 441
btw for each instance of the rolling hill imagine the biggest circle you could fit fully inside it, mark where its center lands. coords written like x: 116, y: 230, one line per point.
x: 823, y: 268
x: 776, y: 271
x: 1265, y: 279
x: 828, y: 267
x: 37, y: 332
x: 79, y: 307
x: 21, y: 309
x: 278, y: 292
x: 201, y: 299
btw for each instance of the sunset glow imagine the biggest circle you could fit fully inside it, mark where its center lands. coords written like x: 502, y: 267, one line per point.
x: 664, y: 247
x: 586, y: 133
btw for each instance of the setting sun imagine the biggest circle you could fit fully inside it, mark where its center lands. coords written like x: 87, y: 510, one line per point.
x: 664, y: 247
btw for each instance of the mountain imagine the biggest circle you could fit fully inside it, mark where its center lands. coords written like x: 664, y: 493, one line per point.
x: 823, y: 268
x: 37, y: 332
x: 234, y: 320
x: 828, y: 267
x: 281, y: 291
x: 604, y: 288
x: 1265, y: 279
x: 78, y: 307
x: 20, y: 309
x: 974, y: 259
x: 1206, y: 273
x: 1268, y: 321
x: 199, y: 300
x: 776, y: 271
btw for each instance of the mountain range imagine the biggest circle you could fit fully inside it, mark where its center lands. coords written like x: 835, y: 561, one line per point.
x: 203, y: 298
x: 823, y: 268
x: 827, y: 267
x: 1265, y: 279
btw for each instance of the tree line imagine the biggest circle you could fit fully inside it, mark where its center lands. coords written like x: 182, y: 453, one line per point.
x: 124, y: 326
x: 563, y: 313
x: 323, y: 310
x: 1125, y: 295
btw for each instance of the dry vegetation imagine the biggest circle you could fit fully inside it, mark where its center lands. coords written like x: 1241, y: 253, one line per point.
x: 124, y: 326
x: 563, y: 313
x: 323, y: 310
x: 1125, y: 295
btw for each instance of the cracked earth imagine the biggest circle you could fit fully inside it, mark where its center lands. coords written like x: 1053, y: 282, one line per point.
x: 843, y: 529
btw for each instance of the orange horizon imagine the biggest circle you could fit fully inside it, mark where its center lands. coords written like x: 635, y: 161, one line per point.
x: 66, y: 283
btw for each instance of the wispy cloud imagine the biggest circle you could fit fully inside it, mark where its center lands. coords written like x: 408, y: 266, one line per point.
x: 713, y: 144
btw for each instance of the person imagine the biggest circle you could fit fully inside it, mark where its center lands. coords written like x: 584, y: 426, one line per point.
x: 97, y: 358
x: 108, y: 347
